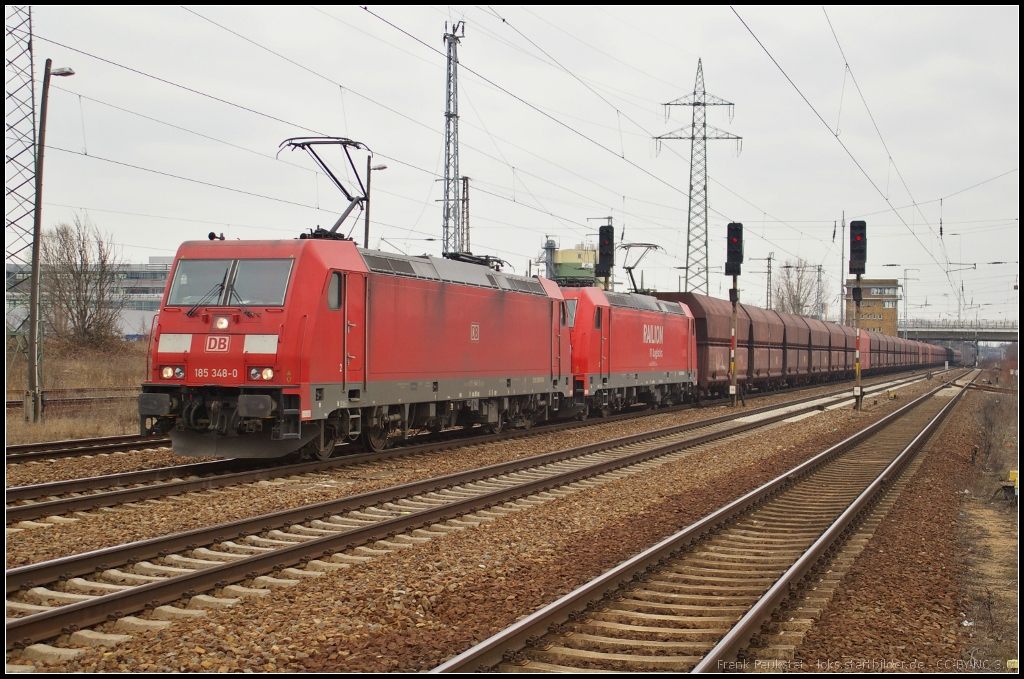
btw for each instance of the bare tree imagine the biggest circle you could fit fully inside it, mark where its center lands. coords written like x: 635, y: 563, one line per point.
x: 81, y: 301
x: 795, y: 290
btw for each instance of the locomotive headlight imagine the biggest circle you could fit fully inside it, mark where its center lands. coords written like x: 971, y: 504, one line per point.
x: 220, y: 322
x: 254, y: 373
x: 268, y: 373
x: 167, y: 372
x: 179, y: 372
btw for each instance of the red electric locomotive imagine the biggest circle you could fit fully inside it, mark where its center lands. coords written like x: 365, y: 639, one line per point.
x: 262, y: 348
x: 628, y: 349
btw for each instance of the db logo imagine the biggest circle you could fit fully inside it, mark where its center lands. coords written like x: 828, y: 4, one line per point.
x: 474, y: 332
x: 217, y: 343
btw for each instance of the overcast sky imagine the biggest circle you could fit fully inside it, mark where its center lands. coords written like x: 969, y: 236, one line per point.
x: 574, y: 142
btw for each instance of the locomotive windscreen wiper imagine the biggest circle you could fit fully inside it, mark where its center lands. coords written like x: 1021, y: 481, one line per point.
x: 214, y: 293
x: 234, y: 293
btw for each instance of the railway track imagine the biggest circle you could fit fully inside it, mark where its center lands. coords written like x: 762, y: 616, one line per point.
x: 48, y: 450
x: 28, y: 452
x: 251, y: 556
x: 714, y: 595
x: 76, y: 398
x: 28, y: 503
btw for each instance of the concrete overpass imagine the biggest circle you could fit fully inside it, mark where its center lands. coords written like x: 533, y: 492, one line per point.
x: 959, y: 331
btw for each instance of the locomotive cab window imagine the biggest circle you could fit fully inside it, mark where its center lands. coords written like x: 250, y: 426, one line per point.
x: 334, y: 292
x: 230, y: 282
x: 570, y: 307
x: 597, y: 318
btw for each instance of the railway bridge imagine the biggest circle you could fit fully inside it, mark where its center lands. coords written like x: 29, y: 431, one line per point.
x: 959, y: 330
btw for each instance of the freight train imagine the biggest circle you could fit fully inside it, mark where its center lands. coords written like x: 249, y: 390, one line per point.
x: 268, y: 348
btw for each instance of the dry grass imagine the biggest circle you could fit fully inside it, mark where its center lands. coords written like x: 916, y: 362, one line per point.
x: 122, y: 364
x: 66, y: 367
x: 106, y: 420
x: 989, y: 537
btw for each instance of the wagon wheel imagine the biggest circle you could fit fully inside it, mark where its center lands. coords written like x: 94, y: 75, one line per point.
x: 604, y: 411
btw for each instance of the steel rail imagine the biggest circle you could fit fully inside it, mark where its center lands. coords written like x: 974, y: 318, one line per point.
x: 739, y: 637
x: 38, y: 626
x: 489, y: 652
x: 26, y: 452
x: 86, y: 563
x: 227, y: 475
x: 92, y: 446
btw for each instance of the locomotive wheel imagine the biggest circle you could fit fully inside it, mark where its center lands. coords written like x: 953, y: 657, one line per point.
x: 325, y: 452
x: 375, y: 438
x: 497, y: 427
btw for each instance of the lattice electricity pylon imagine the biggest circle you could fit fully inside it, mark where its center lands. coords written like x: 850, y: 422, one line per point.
x: 19, y: 174
x: 453, y: 241
x: 698, y: 134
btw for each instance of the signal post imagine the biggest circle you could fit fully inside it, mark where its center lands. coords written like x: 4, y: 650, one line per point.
x: 606, y: 253
x: 858, y: 261
x: 733, y: 260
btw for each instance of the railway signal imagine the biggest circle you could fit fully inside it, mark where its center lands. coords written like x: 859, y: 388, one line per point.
x: 734, y: 249
x: 858, y: 262
x: 858, y: 246
x: 733, y: 260
x: 605, y: 251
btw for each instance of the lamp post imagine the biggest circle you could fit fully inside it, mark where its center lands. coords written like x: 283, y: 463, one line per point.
x: 366, y: 225
x: 34, y: 396
x: 906, y: 304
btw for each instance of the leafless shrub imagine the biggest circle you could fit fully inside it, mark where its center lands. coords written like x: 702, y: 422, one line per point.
x: 796, y: 289
x: 81, y: 303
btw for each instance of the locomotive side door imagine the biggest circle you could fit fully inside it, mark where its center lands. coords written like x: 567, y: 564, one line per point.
x: 606, y: 347
x: 354, y: 342
x: 557, y: 326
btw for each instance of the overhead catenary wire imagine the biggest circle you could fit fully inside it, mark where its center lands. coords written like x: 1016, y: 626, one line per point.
x: 847, y: 150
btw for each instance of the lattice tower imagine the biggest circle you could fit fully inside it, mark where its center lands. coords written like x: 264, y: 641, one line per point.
x: 698, y: 133
x: 19, y: 174
x: 453, y: 241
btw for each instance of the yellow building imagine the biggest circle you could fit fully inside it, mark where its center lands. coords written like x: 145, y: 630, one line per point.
x: 879, y: 308
x: 576, y: 264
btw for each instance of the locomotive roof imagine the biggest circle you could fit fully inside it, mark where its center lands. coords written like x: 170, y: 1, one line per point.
x: 452, y: 271
x: 632, y: 300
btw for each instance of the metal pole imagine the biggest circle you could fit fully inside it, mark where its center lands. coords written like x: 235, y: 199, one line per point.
x: 842, y: 266
x: 858, y: 396
x: 366, y: 224
x: 34, y: 396
x: 732, y: 351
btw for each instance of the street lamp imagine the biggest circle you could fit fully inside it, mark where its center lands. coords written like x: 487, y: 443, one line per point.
x: 34, y: 397
x: 369, y: 170
x: 906, y: 302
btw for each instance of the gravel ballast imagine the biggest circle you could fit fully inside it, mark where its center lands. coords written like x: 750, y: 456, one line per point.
x: 411, y: 609
x: 110, y: 527
x: 900, y: 608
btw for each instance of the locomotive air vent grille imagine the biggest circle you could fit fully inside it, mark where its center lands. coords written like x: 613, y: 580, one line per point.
x: 378, y: 263
x: 401, y: 266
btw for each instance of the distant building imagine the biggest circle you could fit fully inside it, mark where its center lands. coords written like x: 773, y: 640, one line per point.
x: 141, y: 284
x: 575, y: 268
x: 143, y: 288
x: 879, y: 307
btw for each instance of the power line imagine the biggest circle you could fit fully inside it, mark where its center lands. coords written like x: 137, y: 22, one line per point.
x: 852, y: 157
x: 188, y: 179
x: 880, y: 138
x: 531, y: 106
